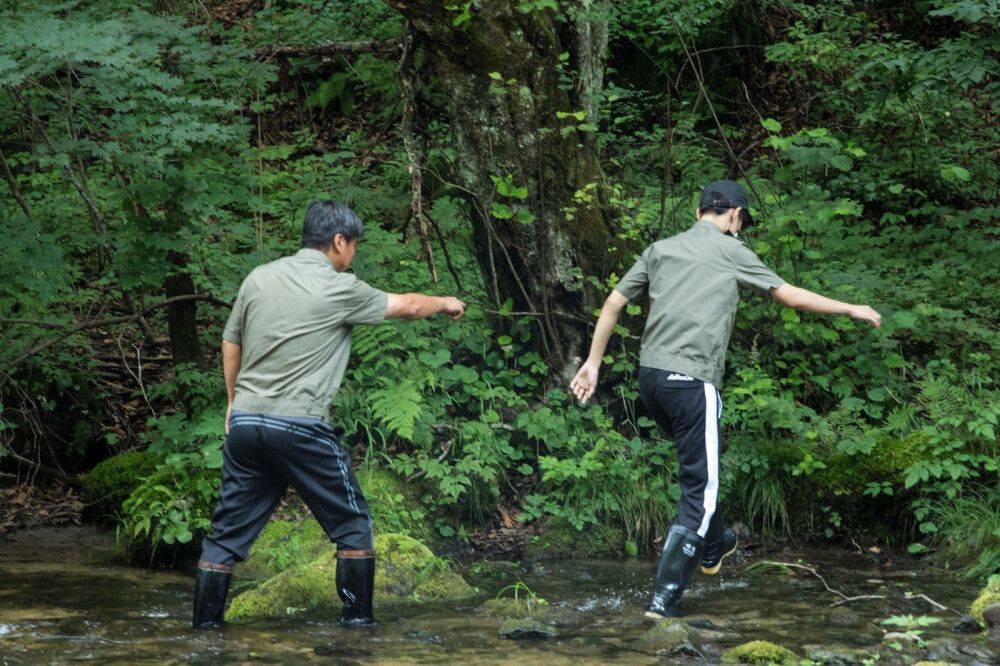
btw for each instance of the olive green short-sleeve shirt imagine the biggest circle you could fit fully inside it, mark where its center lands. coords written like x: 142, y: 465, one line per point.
x: 693, y: 280
x: 293, y: 319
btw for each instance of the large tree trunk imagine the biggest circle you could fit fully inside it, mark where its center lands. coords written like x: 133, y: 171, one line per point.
x: 510, y: 128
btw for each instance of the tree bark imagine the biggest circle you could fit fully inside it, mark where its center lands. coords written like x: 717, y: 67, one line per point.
x: 182, y: 317
x: 549, y: 65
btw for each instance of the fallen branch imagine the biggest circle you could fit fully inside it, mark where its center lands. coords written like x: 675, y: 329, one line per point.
x: 98, y: 323
x: 844, y: 597
x: 383, y: 48
x: 47, y: 471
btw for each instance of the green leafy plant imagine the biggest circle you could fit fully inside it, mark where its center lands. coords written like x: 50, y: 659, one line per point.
x: 523, y: 595
x: 912, y: 626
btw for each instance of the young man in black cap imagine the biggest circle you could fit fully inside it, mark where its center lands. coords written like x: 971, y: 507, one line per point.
x: 284, y: 352
x: 693, y: 281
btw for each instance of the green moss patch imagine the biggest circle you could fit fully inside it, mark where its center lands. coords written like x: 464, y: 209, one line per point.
x: 562, y: 540
x: 405, y: 570
x: 395, y: 505
x: 988, y: 595
x: 759, y: 652
x: 284, y: 544
x: 111, y: 481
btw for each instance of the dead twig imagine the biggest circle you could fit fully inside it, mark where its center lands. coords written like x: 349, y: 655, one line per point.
x: 844, y: 598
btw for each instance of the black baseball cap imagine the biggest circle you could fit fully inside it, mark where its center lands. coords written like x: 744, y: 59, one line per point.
x: 725, y: 194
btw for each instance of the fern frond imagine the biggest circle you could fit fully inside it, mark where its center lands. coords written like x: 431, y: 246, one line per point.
x: 398, y: 407
x: 371, y: 342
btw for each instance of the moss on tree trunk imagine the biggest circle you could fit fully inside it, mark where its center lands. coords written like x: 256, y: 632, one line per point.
x: 520, y: 84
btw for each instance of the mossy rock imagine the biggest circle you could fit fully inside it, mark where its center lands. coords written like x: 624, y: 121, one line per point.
x: 759, y: 652
x: 406, y: 570
x: 509, y: 608
x: 987, y: 596
x: 395, y: 505
x: 491, y: 569
x: 284, y: 544
x: 562, y: 540
x: 110, y: 482
x: 670, y: 637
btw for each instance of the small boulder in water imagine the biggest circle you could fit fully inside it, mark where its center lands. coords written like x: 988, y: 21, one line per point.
x: 671, y: 637
x: 759, y: 652
x: 525, y: 629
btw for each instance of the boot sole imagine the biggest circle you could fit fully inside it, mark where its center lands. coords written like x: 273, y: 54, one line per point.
x: 656, y: 616
x: 711, y: 571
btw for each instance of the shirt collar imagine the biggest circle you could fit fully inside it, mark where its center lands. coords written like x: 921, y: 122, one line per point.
x: 313, y: 256
x: 705, y: 224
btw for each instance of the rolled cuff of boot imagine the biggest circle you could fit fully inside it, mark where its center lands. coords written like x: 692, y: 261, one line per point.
x: 212, y: 566
x: 355, y: 553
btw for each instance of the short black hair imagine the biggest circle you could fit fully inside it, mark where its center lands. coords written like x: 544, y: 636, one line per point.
x: 714, y: 202
x: 325, y: 218
x: 745, y: 218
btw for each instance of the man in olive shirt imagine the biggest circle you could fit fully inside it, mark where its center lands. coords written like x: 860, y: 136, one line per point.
x: 693, y: 281
x: 284, y: 352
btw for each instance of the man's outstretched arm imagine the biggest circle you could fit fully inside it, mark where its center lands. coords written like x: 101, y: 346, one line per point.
x: 419, y: 306
x: 585, y: 381
x: 808, y: 301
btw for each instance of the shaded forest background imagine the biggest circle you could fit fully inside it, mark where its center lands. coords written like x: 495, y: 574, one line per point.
x: 517, y: 154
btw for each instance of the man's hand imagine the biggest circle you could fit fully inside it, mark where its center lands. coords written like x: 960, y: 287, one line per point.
x: 867, y: 313
x: 454, y: 307
x: 584, y: 382
x: 229, y: 413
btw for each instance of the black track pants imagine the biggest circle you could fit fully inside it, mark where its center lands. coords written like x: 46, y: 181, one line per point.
x: 688, y: 410
x: 262, y: 456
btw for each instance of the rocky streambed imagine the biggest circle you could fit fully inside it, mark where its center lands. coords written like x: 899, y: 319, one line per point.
x: 62, y: 600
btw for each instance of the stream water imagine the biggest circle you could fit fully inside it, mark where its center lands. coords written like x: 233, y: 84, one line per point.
x: 61, y: 602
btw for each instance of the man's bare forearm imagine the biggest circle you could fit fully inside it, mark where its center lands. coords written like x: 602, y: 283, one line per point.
x: 232, y: 358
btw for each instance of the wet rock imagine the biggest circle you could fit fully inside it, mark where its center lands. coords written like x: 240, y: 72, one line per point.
x: 991, y: 614
x: 707, y: 629
x: 759, y: 652
x: 703, y: 623
x: 841, y: 616
x: 405, y: 570
x: 341, y: 650
x: 901, y: 638
x: 967, y: 626
x: 836, y: 656
x: 671, y: 637
x: 525, y: 629
x: 73, y: 626
x: 424, y: 638
x: 962, y: 653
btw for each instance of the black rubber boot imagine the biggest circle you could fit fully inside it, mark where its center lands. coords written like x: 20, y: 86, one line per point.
x: 681, y: 554
x: 716, y: 551
x: 356, y: 585
x: 210, y: 590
